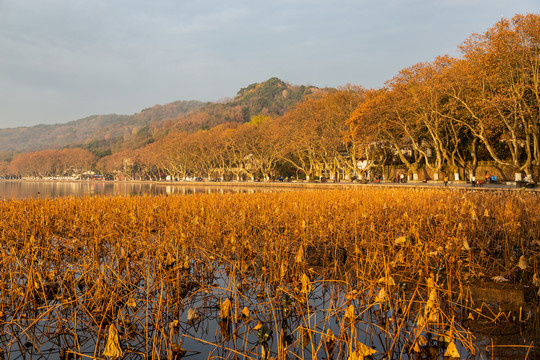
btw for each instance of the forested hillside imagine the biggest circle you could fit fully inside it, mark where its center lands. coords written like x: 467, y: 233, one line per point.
x: 96, y: 127
x: 269, y: 98
x: 106, y: 134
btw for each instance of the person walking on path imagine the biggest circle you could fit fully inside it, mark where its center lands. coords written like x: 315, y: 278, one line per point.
x: 445, y: 180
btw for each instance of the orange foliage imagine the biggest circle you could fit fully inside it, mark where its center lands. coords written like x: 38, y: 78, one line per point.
x: 51, y: 163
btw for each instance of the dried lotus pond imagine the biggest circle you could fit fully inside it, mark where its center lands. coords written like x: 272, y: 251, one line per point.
x: 335, y: 274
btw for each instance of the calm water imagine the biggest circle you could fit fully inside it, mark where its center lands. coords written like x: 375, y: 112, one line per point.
x: 51, y: 189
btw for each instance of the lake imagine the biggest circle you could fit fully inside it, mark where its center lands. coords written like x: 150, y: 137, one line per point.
x: 52, y: 189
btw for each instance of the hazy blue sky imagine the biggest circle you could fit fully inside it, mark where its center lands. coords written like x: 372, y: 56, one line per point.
x: 62, y: 60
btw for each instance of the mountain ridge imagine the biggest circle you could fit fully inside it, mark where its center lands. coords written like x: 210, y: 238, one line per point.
x: 41, y: 136
x: 112, y: 132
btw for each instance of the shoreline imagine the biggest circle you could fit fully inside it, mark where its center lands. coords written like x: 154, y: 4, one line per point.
x: 452, y: 185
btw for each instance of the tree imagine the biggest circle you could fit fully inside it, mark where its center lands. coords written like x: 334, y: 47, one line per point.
x: 497, y: 86
x: 366, y: 130
x: 51, y: 163
x: 316, y: 133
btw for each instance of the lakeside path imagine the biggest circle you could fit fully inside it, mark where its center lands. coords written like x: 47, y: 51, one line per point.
x: 354, y: 185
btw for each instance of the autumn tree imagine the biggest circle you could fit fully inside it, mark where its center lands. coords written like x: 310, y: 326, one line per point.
x: 367, y: 126
x: 316, y: 133
x: 51, y: 163
x: 497, y: 87
x: 257, y: 142
x: 170, y: 154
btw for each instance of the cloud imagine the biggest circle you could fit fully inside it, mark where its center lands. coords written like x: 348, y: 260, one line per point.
x: 123, y: 55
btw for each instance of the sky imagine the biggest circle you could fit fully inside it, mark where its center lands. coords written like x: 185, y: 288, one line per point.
x: 62, y: 60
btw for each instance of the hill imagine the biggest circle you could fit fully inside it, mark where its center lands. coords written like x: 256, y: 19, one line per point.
x: 106, y: 134
x: 272, y: 97
x: 96, y: 127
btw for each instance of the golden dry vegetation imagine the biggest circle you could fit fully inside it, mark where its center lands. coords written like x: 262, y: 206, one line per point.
x: 344, y: 274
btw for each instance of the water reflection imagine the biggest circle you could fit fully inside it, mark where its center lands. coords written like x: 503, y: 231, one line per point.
x: 52, y: 189
x: 155, y: 314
